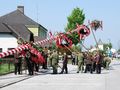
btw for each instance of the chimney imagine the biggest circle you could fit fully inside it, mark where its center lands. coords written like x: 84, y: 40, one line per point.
x: 20, y: 8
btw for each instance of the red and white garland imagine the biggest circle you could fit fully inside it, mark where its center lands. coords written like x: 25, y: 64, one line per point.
x: 13, y: 51
x: 27, y: 46
x: 83, y: 31
x: 63, y: 38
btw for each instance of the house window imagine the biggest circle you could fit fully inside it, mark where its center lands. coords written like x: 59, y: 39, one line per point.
x: 0, y: 49
x: 10, y: 48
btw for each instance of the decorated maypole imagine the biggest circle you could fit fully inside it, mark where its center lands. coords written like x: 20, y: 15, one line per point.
x: 94, y: 26
x: 61, y: 40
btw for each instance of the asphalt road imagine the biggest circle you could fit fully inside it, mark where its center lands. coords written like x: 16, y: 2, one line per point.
x: 107, y: 80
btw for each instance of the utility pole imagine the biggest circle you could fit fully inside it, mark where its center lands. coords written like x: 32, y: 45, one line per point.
x: 37, y: 11
x: 118, y: 44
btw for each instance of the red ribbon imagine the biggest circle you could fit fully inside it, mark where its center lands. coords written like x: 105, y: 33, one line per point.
x: 83, y: 31
x: 60, y: 39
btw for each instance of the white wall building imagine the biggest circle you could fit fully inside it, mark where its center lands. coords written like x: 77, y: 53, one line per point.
x: 7, y: 42
x: 14, y: 25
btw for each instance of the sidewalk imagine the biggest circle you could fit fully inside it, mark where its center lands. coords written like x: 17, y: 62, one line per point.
x: 11, y: 78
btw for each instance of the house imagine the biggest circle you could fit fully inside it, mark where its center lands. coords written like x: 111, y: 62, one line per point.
x: 100, y: 46
x: 16, y: 24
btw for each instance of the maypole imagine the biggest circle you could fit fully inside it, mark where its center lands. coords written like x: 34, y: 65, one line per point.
x: 83, y: 31
x: 94, y: 37
x: 94, y: 25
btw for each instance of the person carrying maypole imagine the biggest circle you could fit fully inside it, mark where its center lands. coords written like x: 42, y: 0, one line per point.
x: 65, y: 62
x: 80, y: 62
x: 54, y: 57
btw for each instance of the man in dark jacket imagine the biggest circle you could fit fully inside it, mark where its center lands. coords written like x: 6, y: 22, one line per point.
x: 29, y: 63
x: 99, y: 58
x: 88, y: 63
x: 65, y: 61
x: 18, y: 63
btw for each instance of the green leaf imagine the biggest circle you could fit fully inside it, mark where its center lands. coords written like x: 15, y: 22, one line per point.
x: 76, y: 17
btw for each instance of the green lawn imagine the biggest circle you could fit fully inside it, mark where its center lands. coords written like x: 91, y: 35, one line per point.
x: 6, y: 68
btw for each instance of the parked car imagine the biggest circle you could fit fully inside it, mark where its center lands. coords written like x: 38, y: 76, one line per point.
x: 118, y: 56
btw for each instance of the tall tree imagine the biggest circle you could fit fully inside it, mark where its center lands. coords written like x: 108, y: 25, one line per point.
x: 110, y: 45
x: 76, y: 47
x: 107, y: 46
x: 76, y: 17
x: 118, y: 50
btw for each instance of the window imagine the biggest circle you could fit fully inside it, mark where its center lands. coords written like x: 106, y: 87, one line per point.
x: 0, y: 49
x: 10, y: 48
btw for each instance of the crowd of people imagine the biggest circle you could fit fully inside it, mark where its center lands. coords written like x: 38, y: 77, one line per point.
x: 32, y: 60
x: 85, y: 61
x: 91, y: 62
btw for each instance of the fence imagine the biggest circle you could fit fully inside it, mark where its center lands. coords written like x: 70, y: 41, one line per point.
x: 6, y: 65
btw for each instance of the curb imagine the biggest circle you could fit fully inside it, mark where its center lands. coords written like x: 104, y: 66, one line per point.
x: 15, y: 82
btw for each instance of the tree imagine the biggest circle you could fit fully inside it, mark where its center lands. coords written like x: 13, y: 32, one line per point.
x: 110, y: 45
x: 76, y: 48
x: 118, y: 50
x: 107, y: 46
x: 77, y: 17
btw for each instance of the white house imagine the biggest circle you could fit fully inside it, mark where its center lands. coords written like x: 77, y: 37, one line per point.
x: 16, y: 24
x: 100, y: 46
x: 10, y: 33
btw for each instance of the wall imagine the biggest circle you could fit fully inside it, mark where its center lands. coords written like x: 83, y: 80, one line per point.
x: 38, y: 30
x: 42, y: 33
x: 100, y: 47
x: 7, y: 41
x: 34, y: 31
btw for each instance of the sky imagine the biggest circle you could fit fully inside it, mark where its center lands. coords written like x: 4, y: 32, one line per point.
x: 52, y: 14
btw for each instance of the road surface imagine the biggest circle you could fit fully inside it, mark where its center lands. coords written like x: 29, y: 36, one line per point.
x: 107, y: 80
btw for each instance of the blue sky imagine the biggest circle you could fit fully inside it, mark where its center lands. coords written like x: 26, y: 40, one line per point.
x: 52, y: 14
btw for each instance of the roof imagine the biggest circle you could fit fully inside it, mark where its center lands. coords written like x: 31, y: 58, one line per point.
x: 18, y: 30
x: 4, y: 29
x: 17, y: 17
x: 100, y: 42
x: 17, y: 23
x: 21, y: 31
